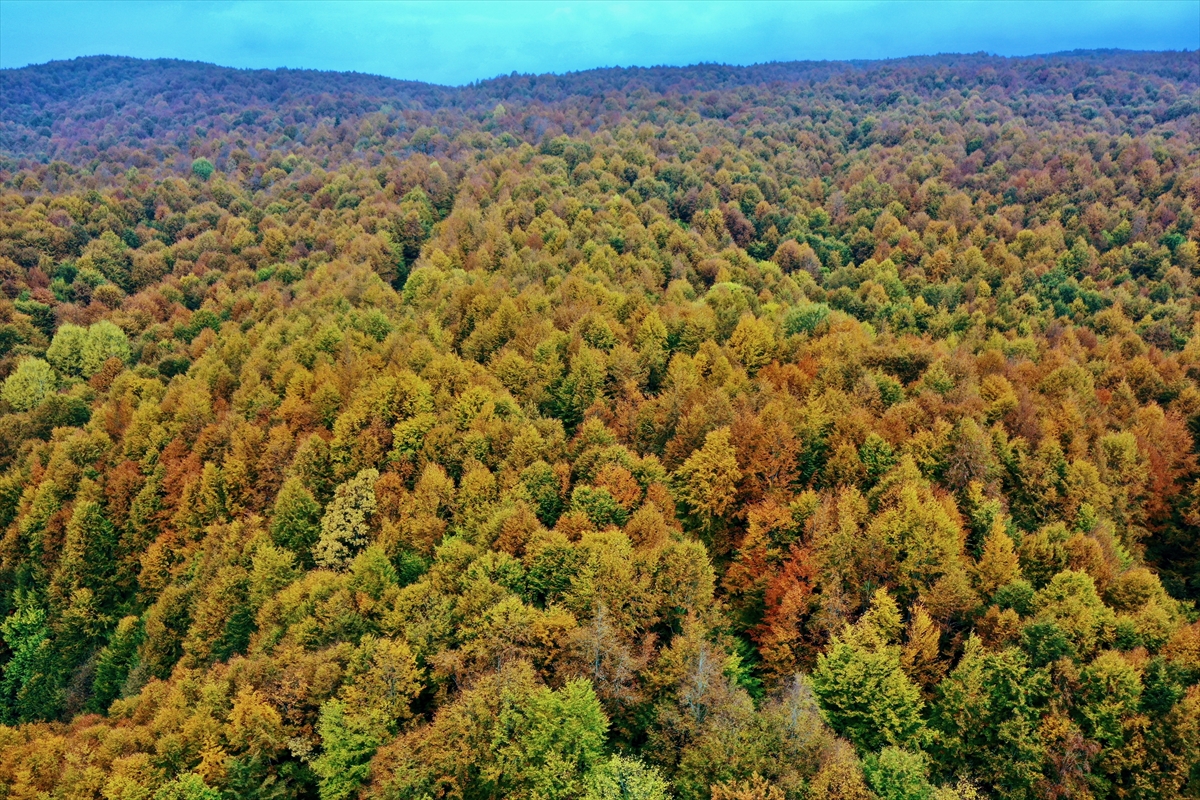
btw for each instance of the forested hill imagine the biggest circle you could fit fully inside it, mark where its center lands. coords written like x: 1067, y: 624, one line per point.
x: 792, y: 432
x: 105, y: 107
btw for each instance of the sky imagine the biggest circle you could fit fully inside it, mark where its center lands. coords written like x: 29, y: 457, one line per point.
x: 460, y: 42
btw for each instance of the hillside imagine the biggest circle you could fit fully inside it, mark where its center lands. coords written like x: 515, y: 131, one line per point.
x: 805, y: 430
x: 109, y: 108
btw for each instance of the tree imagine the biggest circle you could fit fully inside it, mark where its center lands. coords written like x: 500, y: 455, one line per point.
x: 256, y: 734
x: 104, y: 341
x: 1109, y: 705
x: 707, y: 480
x: 897, y: 774
x: 383, y: 678
x: 203, y: 168
x: 754, y: 342
x: 349, y: 737
x: 1070, y: 604
x: 31, y: 682
x: 840, y: 777
x: 621, y: 778
x: 296, y: 522
x: 970, y: 457
x: 66, y: 350
x: 986, y: 718
x: 999, y: 565
x: 922, y: 650
x: 545, y: 490
x: 861, y: 686
x: 114, y: 663
x: 345, y: 528
x: 90, y: 551
x: 792, y: 256
x: 29, y: 384
x: 188, y: 786
x: 507, y: 736
x: 805, y: 318
x: 754, y: 788
x: 598, y: 505
x: 546, y: 745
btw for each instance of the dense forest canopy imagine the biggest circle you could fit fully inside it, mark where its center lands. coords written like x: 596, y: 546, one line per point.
x: 807, y: 430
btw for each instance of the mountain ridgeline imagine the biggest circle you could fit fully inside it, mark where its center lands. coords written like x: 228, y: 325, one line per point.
x: 798, y: 431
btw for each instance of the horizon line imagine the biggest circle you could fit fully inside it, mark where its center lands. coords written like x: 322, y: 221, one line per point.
x: 514, y: 73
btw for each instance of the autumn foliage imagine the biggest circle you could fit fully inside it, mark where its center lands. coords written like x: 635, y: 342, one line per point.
x: 795, y: 431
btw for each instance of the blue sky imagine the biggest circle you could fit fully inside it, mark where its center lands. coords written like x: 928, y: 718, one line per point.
x: 455, y: 43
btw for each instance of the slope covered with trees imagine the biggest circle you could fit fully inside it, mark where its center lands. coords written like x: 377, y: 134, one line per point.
x: 795, y: 431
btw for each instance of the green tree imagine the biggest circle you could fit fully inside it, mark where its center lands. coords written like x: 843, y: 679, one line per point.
x: 506, y: 737
x: 545, y: 490
x: 897, y: 774
x: 598, y: 505
x: 383, y: 677
x: 203, y: 168
x: 546, y: 743
x: 621, y: 778
x: 104, y: 341
x: 31, y: 686
x: 89, y: 552
x: 349, y: 737
x: 862, y: 687
x: 986, y: 719
x: 28, y: 384
x: 345, y: 528
x: 66, y: 350
x: 188, y: 786
x: 1109, y: 704
x: 707, y: 481
x: 114, y: 662
x: 1070, y: 606
x: 296, y: 522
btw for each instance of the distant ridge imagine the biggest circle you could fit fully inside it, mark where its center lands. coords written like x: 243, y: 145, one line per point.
x: 79, y: 109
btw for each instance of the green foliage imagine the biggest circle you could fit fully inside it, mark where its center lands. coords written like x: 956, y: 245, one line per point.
x: 188, y: 786
x: 349, y: 738
x: 861, y: 687
x: 599, y: 506
x: 544, y: 488
x: 114, y: 663
x: 83, y: 351
x: 986, y: 717
x: 805, y: 318
x: 31, y: 683
x: 344, y: 527
x: 545, y: 744
x: 104, y: 341
x: 66, y: 350
x: 203, y: 168
x: 621, y: 778
x: 509, y: 737
x: 1070, y: 604
x: 296, y: 522
x: 897, y: 774
x: 29, y: 384
x: 708, y: 479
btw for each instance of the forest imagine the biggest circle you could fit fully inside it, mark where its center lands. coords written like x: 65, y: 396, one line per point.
x: 801, y: 431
